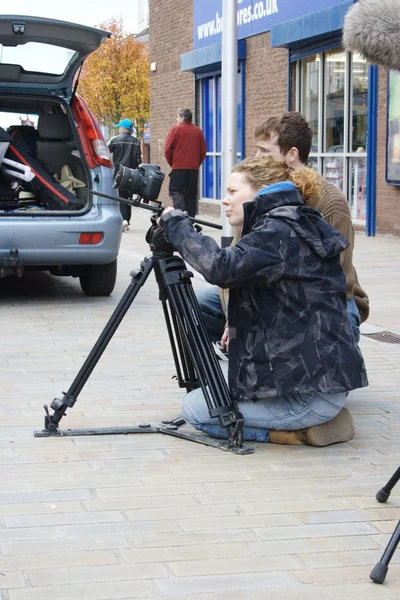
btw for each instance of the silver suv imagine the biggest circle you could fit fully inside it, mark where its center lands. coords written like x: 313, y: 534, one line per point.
x: 58, y: 141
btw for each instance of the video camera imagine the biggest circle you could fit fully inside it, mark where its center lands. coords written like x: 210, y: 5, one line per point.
x: 145, y: 181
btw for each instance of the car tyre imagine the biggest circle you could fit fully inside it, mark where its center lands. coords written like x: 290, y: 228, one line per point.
x: 99, y: 280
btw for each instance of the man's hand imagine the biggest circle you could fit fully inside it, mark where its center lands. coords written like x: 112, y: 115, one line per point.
x: 165, y: 211
x: 225, y: 339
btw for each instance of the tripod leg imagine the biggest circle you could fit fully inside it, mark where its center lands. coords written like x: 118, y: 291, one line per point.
x: 183, y: 365
x: 171, y: 273
x: 69, y: 398
x: 384, y: 493
x: 380, y: 570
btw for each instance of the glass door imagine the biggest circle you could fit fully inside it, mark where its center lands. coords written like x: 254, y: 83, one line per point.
x: 211, y: 124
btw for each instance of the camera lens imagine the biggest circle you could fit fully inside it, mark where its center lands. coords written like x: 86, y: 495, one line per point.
x: 128, y: 180
x: 145, y: 181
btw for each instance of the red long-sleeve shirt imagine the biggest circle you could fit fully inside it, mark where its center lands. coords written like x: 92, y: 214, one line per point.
x: 185, y: 146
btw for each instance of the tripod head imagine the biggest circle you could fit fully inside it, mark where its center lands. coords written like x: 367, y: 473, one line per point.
x: 157, y: 239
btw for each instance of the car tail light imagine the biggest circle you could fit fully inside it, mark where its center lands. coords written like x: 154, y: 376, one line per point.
x: 92, y: 140
x: 90, y: 238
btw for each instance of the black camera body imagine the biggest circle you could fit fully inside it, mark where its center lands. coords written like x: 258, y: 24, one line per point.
x: 145, y: 181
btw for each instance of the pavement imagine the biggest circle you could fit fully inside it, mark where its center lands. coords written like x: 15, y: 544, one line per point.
x: 154, y: 517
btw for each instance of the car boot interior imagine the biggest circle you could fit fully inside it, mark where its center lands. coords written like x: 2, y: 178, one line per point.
x: 44, y: 142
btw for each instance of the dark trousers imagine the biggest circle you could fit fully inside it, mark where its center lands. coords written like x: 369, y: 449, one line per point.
x: 183, y: 189
x: 126, y: 210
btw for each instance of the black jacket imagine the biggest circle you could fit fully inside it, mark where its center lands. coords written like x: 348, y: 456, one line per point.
x: 288, y: 326
x: 125, y: 149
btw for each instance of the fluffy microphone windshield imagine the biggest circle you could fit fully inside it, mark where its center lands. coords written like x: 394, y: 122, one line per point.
x: 372, y: 28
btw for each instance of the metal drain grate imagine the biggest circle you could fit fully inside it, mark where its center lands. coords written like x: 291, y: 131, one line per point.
x: 384, y: 336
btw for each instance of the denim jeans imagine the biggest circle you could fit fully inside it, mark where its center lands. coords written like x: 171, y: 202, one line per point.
x: 211, y: 309
x: 210, y: 306
x: 288, y: 413
x: 354, y: 318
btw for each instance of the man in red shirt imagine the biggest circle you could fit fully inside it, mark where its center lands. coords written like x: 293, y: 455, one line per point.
x: 185, y: 150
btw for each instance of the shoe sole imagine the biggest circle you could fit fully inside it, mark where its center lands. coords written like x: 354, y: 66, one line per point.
x: 221, y: 354
x: 340, y: 429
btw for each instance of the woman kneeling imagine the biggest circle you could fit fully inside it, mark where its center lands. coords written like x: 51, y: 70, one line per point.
x: 292, y: 353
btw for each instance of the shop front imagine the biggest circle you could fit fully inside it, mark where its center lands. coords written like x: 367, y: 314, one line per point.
x: 328, y: 85
x: 332, y: 93
x: 290, y: 57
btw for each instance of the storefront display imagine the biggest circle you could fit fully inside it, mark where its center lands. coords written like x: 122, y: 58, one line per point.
x: 333, y: 96
x: 333, y: 171
x: 393, y: 129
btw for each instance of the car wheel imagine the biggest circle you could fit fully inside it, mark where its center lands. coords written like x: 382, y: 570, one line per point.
x: 99, y: 280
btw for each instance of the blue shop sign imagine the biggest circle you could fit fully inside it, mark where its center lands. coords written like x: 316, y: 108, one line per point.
x: 253, y: 16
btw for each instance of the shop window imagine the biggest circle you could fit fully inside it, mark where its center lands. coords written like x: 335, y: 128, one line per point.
x: 211, y: 124
x: 310, y: 95
x: 333, y: 96
x: 393, y: 129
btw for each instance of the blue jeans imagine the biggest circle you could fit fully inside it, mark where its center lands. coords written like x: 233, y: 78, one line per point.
x: 210, y: 306
x: 211, y: 309
x: 288, y: 413
x: 354, y: 318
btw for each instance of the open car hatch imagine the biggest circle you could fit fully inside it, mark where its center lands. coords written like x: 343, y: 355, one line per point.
x: 41, y: 53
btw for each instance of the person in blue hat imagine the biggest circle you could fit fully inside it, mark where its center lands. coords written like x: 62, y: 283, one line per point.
x: 125, y: 150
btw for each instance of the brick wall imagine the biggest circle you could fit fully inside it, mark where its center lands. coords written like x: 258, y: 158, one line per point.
x: 171, y: 34
x: 387, y: 196
x: 145, y: 152
x: 266, y: 84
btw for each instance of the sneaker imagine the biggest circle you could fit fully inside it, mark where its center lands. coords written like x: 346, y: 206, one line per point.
x: 340, y: 429
x: 221, y: 354
x: 125, y: 225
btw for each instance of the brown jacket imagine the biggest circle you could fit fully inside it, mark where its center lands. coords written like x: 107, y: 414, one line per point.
x: 335, y: 210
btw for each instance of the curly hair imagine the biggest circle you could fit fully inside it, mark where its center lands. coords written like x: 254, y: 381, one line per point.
x: 266, y: 169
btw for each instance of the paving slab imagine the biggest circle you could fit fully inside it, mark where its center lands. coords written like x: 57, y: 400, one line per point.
x: 154, y: 517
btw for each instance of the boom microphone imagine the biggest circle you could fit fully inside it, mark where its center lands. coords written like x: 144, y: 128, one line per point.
x: 372, y: 28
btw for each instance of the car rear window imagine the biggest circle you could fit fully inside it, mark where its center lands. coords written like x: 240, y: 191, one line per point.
x: 37, y: 58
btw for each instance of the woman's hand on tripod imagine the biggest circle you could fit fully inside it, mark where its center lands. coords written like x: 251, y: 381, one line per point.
x: 165, y: 211
x: 225, y: 339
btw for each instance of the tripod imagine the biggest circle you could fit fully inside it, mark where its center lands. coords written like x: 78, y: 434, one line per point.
x: 381, y: 568
x: 195, y: 361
